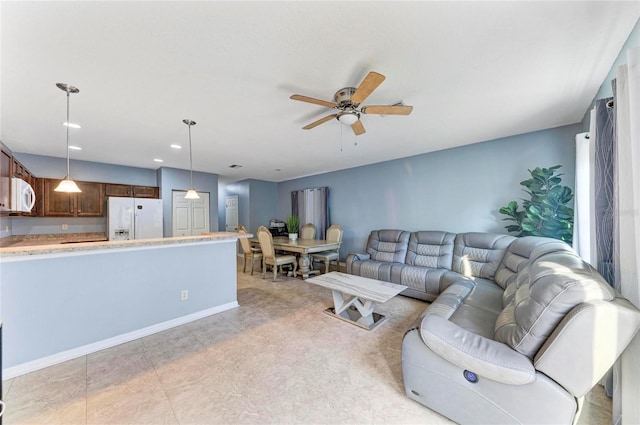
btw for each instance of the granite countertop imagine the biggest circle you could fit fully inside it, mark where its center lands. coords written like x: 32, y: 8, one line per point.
x: 78, y: 245
x: 50, y: 239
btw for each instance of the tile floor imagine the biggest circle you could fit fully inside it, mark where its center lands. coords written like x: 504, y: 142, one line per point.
x: 275, y: 359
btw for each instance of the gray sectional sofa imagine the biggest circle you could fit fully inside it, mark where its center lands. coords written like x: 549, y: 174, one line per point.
x: 518, y: 329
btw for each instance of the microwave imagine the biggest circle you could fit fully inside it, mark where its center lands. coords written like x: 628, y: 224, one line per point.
x: 23, y: 197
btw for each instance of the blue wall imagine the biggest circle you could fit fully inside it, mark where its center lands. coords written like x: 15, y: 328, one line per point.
x: 457, y: 190
x: 56, y: 168
x: 263, y: 206
x: 241, y: 189
x: 170, y: 179
x: 257, y: 202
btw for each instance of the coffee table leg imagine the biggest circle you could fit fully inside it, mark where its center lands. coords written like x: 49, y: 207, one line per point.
x: 365, y: 317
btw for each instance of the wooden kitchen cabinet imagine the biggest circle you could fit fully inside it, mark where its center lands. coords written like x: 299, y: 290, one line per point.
x: 5, y: 180
x: 88, y: 203
x: 146, y: 192
x: 125, y: 190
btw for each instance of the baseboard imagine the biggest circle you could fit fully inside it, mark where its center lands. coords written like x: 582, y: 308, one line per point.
x: 63, y: 356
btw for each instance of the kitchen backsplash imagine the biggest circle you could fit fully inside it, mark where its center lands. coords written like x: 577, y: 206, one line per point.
x: 56, y: 225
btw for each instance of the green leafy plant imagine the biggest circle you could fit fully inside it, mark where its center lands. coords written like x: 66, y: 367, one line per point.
x: 546, y: 213
x: 293, y: 223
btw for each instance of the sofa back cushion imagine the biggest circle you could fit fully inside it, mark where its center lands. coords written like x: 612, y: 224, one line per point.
x: 479, y: 254
x: 522, y: 252
x: 547, y: 289
x: 432, y: 249
x: 388, y: 245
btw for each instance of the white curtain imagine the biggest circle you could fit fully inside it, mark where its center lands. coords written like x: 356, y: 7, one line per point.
x: 584, y: 219
x: 626, y: 398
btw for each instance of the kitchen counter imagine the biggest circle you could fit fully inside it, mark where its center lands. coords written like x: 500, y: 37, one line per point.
x: 66, y: 300
x: 50, y: 239
x: 86, y: 242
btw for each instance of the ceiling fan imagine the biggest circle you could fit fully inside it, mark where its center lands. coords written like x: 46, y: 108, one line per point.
x: 347, y: 102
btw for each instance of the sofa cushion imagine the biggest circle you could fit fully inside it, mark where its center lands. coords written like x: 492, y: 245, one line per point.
x: 479, y: 254
x: 388, y: 245
x: 546, y: 291
x: 379, y: 270
x: 426, y: 280
x: 521, y: 252
x: 432, y: 249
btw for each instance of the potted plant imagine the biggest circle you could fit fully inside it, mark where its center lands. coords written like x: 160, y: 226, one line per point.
x: 293, y: 223
x: 546, y: 213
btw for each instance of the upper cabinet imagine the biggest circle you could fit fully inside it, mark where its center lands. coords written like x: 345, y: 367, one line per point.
x: 49, y: 203
x: 11, y: 167
x: 126, y: 191
x: 88, y: 203
x: 5, y: 180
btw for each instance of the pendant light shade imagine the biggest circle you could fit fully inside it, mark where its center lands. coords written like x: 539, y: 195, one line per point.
x: 191, y: 193
x: 67, y: 185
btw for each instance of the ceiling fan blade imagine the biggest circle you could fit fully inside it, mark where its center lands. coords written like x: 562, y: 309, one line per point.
x: 358, y: 128
x: 320, y: 121
x: 387, y: 110
x: 367, y: 86
x: 307, y: 99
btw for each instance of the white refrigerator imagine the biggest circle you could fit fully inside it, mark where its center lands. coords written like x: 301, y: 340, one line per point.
x: 134, y: 218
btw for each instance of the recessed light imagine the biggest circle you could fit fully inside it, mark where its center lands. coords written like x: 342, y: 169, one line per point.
x: 75, y: 148
x: 158, y: 160
x: 277, y: 169
x: 176, y: 147
x: 71, y: 125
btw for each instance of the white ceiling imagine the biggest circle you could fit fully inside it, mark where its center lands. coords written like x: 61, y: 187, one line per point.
x: 473, y: 71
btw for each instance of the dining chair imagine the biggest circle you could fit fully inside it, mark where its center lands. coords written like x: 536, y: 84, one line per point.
x: 269, y: 256
x: 308, y: 231
x: 250, y: 253
x: 334, y: 234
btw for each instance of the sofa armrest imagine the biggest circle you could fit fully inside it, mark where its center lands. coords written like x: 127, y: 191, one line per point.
x: 482, y: 356
x: 355, y: 256
x: 359, y: 256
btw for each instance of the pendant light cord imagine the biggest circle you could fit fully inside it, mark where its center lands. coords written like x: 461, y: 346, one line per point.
x: 190, y: 157
x: 68, y: 177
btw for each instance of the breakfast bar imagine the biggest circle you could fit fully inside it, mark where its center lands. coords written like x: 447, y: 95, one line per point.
x: 63, y: 301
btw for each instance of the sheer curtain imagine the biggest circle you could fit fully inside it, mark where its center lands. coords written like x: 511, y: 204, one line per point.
x: 312, y: 206
x: 583, y: 225
x: 626, y: 400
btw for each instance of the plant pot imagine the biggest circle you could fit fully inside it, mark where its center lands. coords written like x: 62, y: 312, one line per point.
x: 293, y: 236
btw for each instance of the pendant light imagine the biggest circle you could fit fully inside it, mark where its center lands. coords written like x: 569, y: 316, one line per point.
x: 191, y: 193
x: 67, y: 185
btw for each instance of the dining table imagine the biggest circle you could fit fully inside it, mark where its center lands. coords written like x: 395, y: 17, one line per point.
x: 302, y: 247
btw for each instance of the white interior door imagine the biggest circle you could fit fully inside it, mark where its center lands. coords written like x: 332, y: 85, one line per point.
x: 231, y: 213
x: 190, y: 217
x: 200, y: 214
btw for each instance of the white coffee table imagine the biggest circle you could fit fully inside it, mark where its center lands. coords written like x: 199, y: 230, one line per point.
x: 354, y: 297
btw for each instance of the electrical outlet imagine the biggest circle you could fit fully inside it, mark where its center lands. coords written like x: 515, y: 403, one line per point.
x: 184, y: 295
x: 65, y: 227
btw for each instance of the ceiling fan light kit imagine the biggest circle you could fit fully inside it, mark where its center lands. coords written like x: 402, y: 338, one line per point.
x: 348, y: 117
x: 348, y: 99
